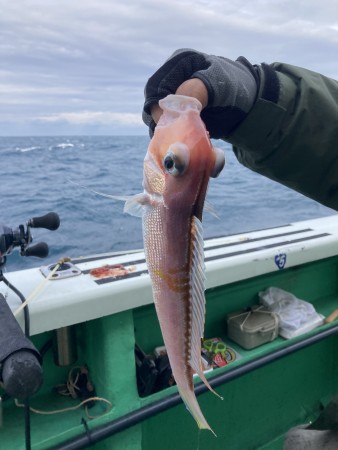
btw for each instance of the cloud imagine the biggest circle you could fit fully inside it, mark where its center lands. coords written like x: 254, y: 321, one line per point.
x: 74, y: 62
x: 94, y: 117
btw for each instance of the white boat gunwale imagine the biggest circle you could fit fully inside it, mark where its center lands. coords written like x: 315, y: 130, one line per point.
x: 228, y: 259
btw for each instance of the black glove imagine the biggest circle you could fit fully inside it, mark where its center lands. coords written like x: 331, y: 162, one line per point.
x: 232, y: 88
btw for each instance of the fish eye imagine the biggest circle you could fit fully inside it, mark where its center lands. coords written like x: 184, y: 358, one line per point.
x: 168, y: 162
x: 172, y: 164
x: 176, y: 160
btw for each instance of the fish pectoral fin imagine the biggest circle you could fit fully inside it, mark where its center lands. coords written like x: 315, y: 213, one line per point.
x: 134, y: 205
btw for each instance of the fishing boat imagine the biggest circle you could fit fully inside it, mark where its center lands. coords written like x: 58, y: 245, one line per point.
x: 94, y: 323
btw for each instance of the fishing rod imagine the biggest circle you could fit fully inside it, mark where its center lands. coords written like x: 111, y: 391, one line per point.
x: 20, y: 362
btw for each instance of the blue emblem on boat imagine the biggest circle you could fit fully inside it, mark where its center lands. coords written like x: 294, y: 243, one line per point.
x: 280, y: 260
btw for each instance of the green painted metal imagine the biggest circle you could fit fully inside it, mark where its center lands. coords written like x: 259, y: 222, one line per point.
x: 258, y: 408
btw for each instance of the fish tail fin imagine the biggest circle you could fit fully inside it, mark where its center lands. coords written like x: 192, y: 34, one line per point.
x: 190, y: 401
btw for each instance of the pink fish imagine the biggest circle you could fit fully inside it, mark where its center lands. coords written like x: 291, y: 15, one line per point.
x: 177, y: 167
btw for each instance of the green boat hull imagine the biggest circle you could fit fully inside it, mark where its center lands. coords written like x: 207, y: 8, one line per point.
x: 271, y: 389
x: 259, y: 407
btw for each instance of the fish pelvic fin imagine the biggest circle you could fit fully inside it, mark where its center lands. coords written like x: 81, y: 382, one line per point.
x: 189, y: 398
x: 197, y: 286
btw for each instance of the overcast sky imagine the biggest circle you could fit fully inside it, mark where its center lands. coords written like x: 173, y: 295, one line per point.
x: 79, y: 67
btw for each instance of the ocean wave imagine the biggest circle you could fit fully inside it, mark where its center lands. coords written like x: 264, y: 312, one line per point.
x: 62, y: 145
x: 27, y: 149
x: 36, y: 183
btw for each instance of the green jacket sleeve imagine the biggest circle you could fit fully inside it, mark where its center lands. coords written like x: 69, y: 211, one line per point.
x: 291, y: 133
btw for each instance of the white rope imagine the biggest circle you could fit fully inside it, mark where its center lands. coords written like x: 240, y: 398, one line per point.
x: 41, y: 286
x: 69, y: 389
x: 72, y: 408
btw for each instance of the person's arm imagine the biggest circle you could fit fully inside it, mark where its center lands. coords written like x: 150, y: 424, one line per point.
x: 291, y: 133
x: 231, y: 88
x: 282, y: 120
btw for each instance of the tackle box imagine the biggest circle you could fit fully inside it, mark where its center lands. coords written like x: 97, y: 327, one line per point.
x: 252, y: 327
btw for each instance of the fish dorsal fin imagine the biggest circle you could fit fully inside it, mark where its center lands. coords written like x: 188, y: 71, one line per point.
x: 197, y: 281
x: 197, y: 286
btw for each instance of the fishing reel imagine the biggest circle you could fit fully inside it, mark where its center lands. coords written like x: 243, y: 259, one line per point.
x: 21, y: 237
x: 20, y: 361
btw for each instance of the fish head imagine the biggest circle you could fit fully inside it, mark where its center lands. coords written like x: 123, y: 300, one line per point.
x: 180, y: 158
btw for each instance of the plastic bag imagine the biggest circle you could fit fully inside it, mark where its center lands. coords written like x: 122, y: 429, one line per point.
x: 293, y: 313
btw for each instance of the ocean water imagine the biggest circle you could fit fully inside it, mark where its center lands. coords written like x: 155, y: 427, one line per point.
x: 35, y: 179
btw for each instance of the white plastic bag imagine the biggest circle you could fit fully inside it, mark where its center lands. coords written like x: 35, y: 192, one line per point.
x: 295, y: 316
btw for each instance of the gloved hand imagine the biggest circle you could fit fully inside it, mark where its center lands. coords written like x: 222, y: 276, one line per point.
x: 232, y: 88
